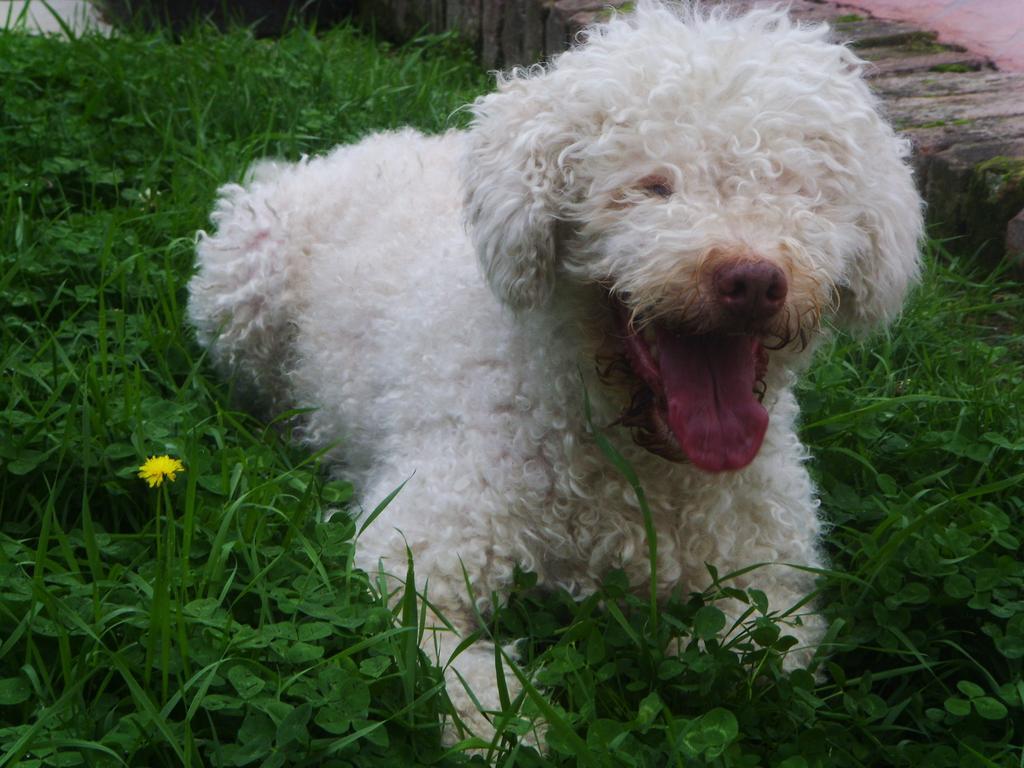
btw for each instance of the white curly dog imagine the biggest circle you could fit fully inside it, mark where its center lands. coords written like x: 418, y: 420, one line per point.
x: 666, y: 217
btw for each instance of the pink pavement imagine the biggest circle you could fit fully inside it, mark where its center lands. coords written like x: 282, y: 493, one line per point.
x: 994, y: 28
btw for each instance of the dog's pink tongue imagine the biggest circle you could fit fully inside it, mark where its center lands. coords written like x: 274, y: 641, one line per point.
x: 708, y: 383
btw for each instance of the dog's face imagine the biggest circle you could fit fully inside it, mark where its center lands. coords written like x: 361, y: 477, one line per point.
x: 727, y: 181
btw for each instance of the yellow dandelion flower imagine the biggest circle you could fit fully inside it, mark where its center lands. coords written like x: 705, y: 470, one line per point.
x: 156, y: 468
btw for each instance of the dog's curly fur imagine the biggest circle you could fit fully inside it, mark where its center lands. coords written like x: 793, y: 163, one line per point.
x: 597, y: 194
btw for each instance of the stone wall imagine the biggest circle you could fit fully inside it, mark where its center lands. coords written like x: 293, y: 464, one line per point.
x: 503, y: 32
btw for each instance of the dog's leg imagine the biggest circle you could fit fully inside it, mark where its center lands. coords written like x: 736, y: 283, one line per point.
x: 471, y: 678
x: 459, y: 570
x: 788, y: 583
x: 768, y: 516
x: 786, y: 530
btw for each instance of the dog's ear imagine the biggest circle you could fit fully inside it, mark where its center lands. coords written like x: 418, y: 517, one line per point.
x: 879, y: 277
x: 514, y: 175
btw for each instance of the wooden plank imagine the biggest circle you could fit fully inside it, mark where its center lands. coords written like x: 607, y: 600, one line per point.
x: 905, y: 51
x: 535, y: 13
x: 871, y: 33
x: 963, y: 107
x: 399, y: 11
x: 570, y: 7
x: 472, y: 14
x: 929, y: 62
x: 512, y: 34
x: 464, y: 16
x: 1000, y: 85
x: 556, y: 32
x: 804, y: 10
x: 453, y: 13
x: 929, y: 139
x: 490, y: 33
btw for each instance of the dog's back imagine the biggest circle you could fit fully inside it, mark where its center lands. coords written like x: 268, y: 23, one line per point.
x: 347, y: 223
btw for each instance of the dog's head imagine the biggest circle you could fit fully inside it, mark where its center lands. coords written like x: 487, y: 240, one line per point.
x: 731, y: 184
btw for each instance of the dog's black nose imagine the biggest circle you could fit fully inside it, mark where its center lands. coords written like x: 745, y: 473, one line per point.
x: 751, y: 290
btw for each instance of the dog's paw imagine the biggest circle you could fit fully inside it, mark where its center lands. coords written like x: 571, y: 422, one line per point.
x: 472, y: 684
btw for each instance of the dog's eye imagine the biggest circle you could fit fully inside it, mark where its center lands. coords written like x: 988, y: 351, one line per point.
x: 656, y: 185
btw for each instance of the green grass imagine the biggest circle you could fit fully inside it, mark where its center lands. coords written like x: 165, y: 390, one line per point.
x: 214, y: 622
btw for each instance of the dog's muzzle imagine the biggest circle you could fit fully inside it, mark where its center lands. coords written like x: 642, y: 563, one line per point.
x: 698, y: 389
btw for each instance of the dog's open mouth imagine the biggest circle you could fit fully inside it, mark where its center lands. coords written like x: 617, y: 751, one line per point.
x: 699, y: 399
